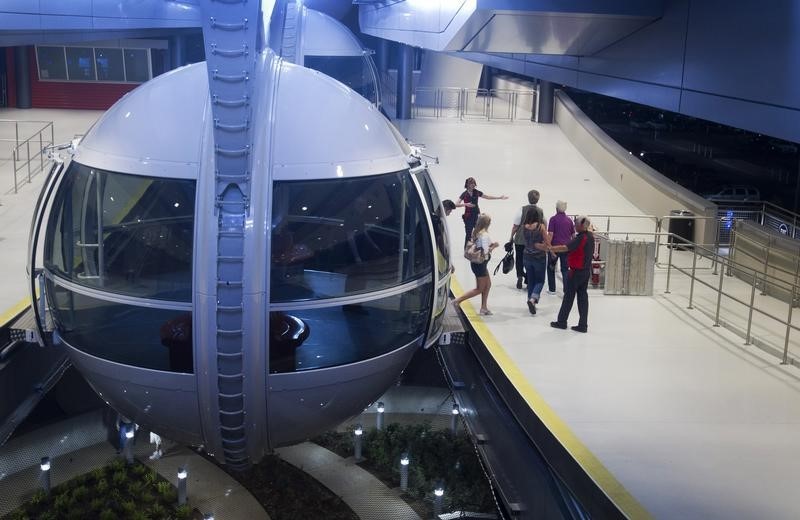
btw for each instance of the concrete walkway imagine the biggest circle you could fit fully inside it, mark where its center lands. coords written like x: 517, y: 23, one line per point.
x: 367, y: 496
x: 210, y: 490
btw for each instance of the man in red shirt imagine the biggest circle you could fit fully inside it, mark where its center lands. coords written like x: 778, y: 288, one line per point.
x: 579, y: 259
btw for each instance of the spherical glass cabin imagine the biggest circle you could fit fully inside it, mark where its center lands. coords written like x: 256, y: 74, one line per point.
x: 345, y: 273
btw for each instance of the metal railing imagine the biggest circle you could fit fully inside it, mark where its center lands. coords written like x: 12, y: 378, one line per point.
x: 710, y: 266
x: 473, y: 104
x: 756, y: 279
x: 21, y: 156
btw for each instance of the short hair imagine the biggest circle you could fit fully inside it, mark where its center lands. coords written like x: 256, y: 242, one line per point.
x: 583, y: 220
x: 533, y: 196
x: 561, y: 206
x: 448, y: 204
x: 470, y: 179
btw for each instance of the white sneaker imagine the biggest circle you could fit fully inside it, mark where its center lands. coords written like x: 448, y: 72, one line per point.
x: 551, y: 292
x: 155, y: 456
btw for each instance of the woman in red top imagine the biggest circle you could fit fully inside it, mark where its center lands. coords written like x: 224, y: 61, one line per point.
x: 471, y: 210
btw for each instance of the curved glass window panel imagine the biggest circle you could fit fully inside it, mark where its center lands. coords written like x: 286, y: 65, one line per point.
x: 122, y: 233
x: 346, y: 236
x: 138, y: 336
x: 438, y: 218
x: 353, y: 71
x: 317, y: 338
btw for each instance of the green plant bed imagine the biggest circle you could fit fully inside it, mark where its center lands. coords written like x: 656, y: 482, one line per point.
x: 435, y: 455
x: 287, y: 493
x: 114, y: 491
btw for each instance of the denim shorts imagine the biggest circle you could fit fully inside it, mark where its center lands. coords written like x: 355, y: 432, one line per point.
x: 479, y: 269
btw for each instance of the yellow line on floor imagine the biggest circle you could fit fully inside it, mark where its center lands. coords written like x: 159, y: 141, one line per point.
x: 11, y: 313
x: 629, y: 506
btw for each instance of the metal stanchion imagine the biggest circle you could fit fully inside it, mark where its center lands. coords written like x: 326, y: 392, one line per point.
x: 716, y: 246
x: 28, y: 148
x: 14, y: 160
x: 691, y: 284
x: 752, y: 301
x: 669, y: 268
x: 788, y: 327
x: 766, y: 264
x: 719, y: 298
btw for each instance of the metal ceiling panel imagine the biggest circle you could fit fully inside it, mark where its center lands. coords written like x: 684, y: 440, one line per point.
x: 552, y: 33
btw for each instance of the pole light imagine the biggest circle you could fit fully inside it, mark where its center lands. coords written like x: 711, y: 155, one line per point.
x: 128, y: 449
x: 454, y: 418
x: 358, y: 433
x: 438, y: 498
x: 44, y: 477
x: 182, y: 474
x: 379, y: 416
x: 404, y: 472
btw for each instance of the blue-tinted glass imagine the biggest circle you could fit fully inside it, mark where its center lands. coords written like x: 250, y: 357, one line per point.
x: 147, y: 227
x: 317, y: 338
x: 109, y: 64
x: 353, y: 71
x: 345, y: 236
x: 137, y: 336
x: 80, y: 64
x: 439, y: 226
x: 51, y: 63
x: 137, y: 65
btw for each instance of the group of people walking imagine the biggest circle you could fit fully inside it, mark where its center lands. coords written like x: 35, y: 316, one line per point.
x: 538, y: 245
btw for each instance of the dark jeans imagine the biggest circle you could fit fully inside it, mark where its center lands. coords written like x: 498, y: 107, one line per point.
x: 469, y: 225
x: 561, y: 258
x: 578, y: 282
x: 519, y: 262
x: 535, y: 267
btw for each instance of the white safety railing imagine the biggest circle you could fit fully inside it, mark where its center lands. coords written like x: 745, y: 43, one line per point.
x: 473, y: 104
x: 709, y: 266
x: 26, y: 153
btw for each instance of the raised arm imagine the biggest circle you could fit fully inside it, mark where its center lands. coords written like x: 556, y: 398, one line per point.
x: 493, y: 197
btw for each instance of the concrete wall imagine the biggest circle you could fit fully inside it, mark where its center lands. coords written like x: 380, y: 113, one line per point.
x: 646, y: 188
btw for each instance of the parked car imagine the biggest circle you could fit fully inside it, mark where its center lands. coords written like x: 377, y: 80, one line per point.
x: 738, y: 192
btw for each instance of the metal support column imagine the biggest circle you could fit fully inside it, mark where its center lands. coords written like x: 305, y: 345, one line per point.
x: 405, y: 72
x: 486, y: 78
x: 545, y: 100
x: 23, y: 77
x: 177, y: 51
x: 382, y: 55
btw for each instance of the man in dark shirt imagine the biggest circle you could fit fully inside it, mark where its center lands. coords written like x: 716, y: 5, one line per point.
x: 579, y: 259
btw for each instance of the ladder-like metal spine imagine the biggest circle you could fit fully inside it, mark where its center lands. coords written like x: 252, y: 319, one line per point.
x: 230, y: 30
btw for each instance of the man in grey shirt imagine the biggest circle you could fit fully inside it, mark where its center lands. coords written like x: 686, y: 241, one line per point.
x: 517, y: 236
